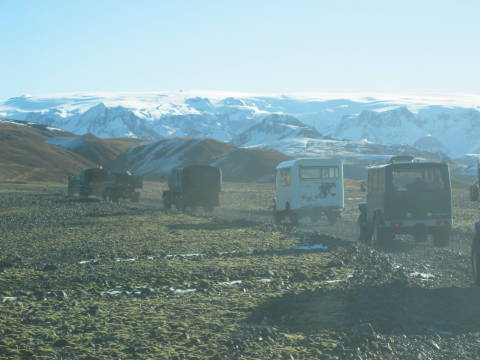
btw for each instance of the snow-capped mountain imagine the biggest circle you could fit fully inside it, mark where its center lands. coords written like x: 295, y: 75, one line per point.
x: 152, y: 115
x: 273, y: 128
x: 455, y: 131
x: 448, y: 122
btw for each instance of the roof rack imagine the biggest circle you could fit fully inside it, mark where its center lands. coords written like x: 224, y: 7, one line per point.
x: 401, y: 159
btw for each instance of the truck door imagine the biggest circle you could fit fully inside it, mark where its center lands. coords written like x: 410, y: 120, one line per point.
x: 376, y: 192
x: 283, y: 184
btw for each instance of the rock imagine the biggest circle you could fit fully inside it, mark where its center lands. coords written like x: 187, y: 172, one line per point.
x: 61, y: 343
x: 364, y: 330
x: 435, y: 345
x: 93, y: 310
x: 50, y: 267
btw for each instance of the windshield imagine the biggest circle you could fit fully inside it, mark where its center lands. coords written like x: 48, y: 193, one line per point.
x: 418, y: 179
x: 318, y: 172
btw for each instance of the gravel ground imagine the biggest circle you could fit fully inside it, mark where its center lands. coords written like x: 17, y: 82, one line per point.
x: 407, y: 301
x: 410, y: 300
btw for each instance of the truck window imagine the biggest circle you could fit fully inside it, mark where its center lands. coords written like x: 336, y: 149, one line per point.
x: 420, y: 179
x: 318, y: 172
x: 285, y: 176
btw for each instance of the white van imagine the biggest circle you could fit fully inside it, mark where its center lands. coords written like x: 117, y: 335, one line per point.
x: 309, y: 188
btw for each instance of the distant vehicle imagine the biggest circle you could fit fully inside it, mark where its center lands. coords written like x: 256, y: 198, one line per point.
x: 105, y: 184
x: 193, y: 186
x: 407, y: 197
x: 309, y: 188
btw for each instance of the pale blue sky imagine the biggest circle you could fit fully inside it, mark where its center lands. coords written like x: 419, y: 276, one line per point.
x: 53, y: 46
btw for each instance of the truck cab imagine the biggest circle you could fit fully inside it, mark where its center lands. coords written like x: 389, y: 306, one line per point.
x: 309, y: 188
x: 407, y: 197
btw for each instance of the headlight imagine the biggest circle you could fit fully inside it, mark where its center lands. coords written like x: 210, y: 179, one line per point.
x: 409, y: 214
x: 429, y: 214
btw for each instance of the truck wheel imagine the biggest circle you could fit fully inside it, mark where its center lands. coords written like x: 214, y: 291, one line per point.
x: 441, y: 238
x: 294, y: 218
x: 208, y: 208
x: 277, y: 217
x: 476, y: 259
x: 364, y: 235
x: 380, y: 236
x: 332, y: 218
x: 365, y: 229
x: 167, y: 203
x: 135, y: 197
x: 115, y: 197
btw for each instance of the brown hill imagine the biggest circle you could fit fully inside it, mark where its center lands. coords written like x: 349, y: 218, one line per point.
x: 24, y: 155
x: 250, y: 164
x: 99, y: 151
x: 159, y: 158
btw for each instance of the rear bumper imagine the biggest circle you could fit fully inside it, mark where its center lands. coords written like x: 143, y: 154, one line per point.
x: 308, y: 210
x: 408, y: 226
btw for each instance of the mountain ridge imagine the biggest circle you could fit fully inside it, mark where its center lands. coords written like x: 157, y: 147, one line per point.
x: 452, y: 121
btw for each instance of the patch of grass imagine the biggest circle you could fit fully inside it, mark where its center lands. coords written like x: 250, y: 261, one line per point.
x: 94, y: 280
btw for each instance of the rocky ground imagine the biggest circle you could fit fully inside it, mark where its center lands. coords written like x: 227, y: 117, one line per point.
x: 93, y: 280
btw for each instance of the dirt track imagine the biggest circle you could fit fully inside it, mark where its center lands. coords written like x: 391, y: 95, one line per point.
x: 420, y: 301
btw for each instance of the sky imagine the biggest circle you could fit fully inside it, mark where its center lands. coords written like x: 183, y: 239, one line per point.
x: 56, y: 46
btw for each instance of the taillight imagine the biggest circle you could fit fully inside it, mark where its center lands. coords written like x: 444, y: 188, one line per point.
x: 442, y: 222
x: 396, y: 224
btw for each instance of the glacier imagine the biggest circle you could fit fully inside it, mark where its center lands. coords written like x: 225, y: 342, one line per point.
x: 448, y: 123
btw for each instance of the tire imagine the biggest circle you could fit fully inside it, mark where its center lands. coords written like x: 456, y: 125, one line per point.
x: 277, y: 216
x: 314, y: 218
x: 332, y: 218
x: 364, y: 235
x: 365, y: 230
x: 167, y: 203
x: 476, y: 259
x: 441, y: 238
x: 294, y: 218
x: 208, y: 208
x: 134, y: 197
x: 380, y: 236
x: 115, y: 196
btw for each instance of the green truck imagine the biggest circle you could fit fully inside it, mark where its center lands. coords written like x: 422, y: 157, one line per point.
x: 410, y: 197
x: 193, y: 186
x: 107, y: 185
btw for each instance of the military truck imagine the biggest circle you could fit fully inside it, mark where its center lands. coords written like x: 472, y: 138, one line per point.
x: 105, y: 184
x: 309, y: 188
x: 405, y: 196
x: 193, y: 186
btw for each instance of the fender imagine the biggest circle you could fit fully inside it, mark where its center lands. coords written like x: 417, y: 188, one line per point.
x: 378, y: 217
x: 362, y: 218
